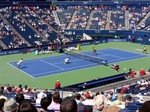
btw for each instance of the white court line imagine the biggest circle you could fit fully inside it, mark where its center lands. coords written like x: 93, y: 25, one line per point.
x: 66, y: 69
x: 130, y: 58
x: 139, y: 49
x: 37, y: 59
x: 124, y: 51
x: 20, y: 70
x: 45, y: 73
x: 112, y: 55
x: 71, y: 61
x: 128, y: 51
x: 52, y: 64
x: 134, y: 58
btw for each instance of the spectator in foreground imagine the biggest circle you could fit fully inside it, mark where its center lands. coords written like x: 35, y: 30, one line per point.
x: 81, y: 107
x: 2, y: 101
x: 89, y: 108
x: 124, y: 110
x: 26, y: 106
x: 56, y: 100
x: 145, y: 107
x: 128, y: 99
x: 10, y: 105
x: 78, y: 98
x: 100, y: 102
x: 88, y: 100
x: 39, y: 97
x: 112, y: 109
x: 19, y: 98
x: 68, y: 105
x: 45, y: 102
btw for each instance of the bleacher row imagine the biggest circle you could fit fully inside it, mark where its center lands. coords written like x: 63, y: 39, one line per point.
x: 131, y: 102
x: 23, y: 26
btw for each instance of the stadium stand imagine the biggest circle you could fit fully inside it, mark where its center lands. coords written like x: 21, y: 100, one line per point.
x: 28, y: 25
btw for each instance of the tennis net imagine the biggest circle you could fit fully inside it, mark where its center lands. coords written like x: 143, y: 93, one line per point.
x: 87, y: 57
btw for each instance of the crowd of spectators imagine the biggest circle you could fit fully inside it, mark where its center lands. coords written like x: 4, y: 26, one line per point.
x: 7, y: 33
x: 99, y: 18
x: 136, y: 14
x: 117, y: 20
x: 43, y: 20
x: 140, y: 87
x: 25, y: 99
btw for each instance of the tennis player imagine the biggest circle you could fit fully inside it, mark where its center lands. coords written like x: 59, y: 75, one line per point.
x: 94, y: 51
x: 19, y: 63
x: 67, y: 60
x: 145, y: 50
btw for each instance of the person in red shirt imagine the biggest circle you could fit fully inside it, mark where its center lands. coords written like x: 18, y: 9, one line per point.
x: 115, y: 67
x: 57, y: 85
x: 142, y: 72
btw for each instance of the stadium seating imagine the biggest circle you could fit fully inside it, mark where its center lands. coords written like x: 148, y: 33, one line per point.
x: 44, y: 25
x: 39, y: 24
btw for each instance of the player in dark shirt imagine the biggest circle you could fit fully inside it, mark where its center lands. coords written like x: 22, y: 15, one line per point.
x: 94, y: 51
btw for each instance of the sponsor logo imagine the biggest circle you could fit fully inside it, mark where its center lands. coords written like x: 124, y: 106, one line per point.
x: 110, y: 31
x: 117, y: 40
x: 86, y: 43
x: 1, y: 53
x: 139, y: 39
x: 13, y: 52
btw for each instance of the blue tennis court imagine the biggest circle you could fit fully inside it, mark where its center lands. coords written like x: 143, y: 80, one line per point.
x: 55, y: 65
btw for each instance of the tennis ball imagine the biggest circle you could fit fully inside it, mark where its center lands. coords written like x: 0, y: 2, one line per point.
x: 124, y: 69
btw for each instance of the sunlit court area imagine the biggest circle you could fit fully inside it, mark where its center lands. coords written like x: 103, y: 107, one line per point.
x: 75, y: 56
x: 55, y: 65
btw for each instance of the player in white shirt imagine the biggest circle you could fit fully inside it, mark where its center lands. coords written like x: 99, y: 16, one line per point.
x: 19, y: 63
x: 67, y: 60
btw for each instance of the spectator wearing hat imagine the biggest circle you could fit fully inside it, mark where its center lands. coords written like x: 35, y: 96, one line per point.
x: 68, y: 105
x: 39, y: 97
x: 142, y: 72
x: 56, y: 100
x: 88, y: 100
x: 57, y: 84
x: 100, y: 102
x: 10, y: 105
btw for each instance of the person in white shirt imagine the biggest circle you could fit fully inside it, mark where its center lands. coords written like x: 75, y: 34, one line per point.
x: 19, y: 63
x: 67, y: 60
